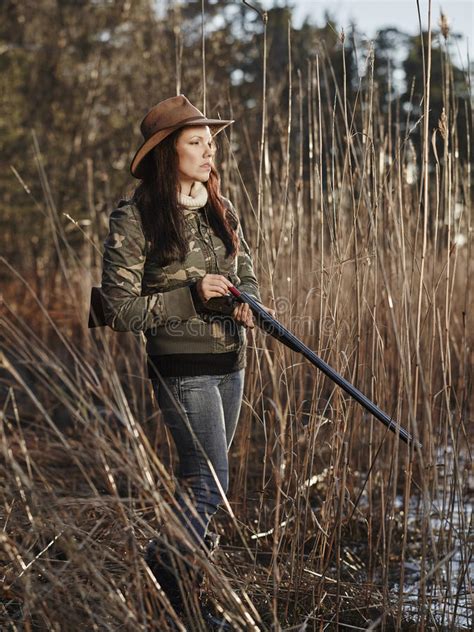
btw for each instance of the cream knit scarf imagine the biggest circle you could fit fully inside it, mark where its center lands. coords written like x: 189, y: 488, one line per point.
x: 197, y: 199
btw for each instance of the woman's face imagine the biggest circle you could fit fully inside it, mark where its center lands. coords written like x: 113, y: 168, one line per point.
x: 195, y: 149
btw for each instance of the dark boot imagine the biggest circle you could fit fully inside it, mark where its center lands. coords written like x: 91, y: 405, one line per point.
x: 211, y: 541
x: 164, y: 569
x: 175, y: 577
x: 214, y: 622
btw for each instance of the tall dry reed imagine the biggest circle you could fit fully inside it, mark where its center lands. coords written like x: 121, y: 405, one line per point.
x: 366, y: 256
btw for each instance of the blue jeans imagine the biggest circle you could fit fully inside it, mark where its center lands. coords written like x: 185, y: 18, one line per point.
x: 201, y: 413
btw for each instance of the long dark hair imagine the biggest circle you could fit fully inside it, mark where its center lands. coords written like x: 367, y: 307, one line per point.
x: 157, y: 200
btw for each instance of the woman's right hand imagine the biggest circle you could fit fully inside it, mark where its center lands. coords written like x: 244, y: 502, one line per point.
x: 212, y: 285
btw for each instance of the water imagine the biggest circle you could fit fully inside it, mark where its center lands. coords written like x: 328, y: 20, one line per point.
x: 449, y: 569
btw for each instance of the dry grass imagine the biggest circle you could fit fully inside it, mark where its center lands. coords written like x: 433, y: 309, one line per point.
x: 328, y: 515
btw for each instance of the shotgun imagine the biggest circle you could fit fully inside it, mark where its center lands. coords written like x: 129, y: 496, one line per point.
x: 273, y: 327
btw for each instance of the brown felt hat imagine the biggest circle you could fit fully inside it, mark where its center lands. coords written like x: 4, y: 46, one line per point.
x: 163, y: 119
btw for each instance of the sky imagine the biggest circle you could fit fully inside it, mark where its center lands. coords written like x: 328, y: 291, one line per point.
x: 371, y: 15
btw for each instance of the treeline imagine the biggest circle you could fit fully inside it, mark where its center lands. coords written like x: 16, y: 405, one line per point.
x: 77, y: 76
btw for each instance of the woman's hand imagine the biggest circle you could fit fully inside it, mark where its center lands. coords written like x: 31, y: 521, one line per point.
x: 271, y: 311
x: 243, y: 314
x: 212, y: 285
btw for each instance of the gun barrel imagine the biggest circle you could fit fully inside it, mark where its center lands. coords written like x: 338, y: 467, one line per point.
x: 273, y: 327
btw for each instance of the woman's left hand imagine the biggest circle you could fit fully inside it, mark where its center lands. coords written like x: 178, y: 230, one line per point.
x: 271, y: 311
x: 243, y: 314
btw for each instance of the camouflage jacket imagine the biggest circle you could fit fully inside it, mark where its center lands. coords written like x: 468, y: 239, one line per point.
x: 140, y: 295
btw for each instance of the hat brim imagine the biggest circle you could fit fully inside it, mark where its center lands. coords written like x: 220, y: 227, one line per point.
x: 136, y: 166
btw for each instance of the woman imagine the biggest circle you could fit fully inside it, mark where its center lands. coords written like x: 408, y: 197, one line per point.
x: 172, y: 252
